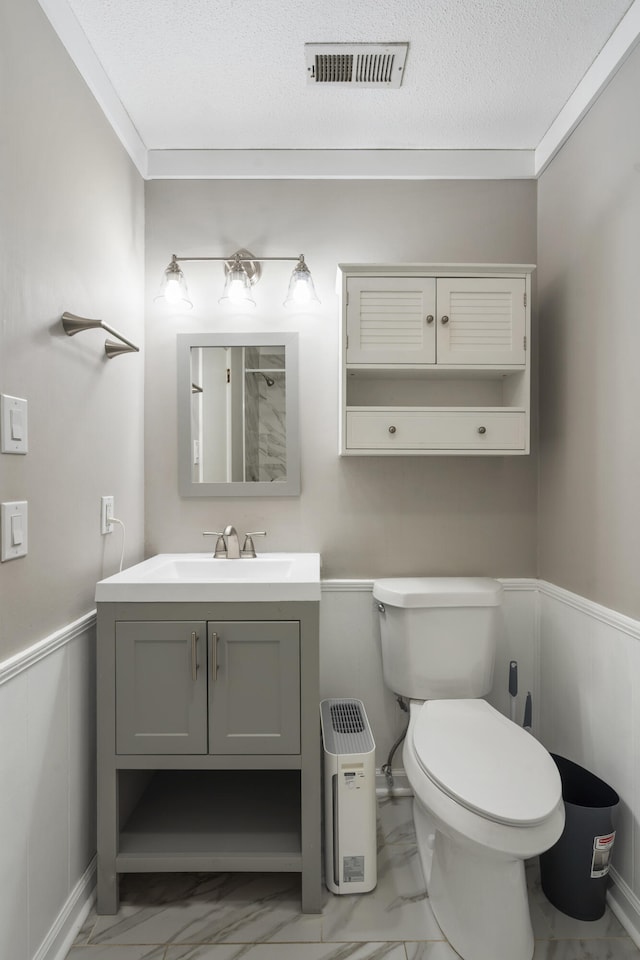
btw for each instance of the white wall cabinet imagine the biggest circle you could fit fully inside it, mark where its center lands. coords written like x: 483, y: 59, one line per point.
x: 435, y: 359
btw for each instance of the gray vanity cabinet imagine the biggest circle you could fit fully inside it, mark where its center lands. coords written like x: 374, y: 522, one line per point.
x: 208, y: 748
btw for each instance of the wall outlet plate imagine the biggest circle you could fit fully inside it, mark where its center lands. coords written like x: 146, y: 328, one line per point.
x: 106, y: 512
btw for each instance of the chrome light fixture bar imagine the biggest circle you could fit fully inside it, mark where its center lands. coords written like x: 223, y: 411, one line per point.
x: 73, y: 324
x: 242, y: 272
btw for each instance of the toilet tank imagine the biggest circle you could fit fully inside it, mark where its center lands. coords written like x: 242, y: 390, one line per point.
x: 438, y: 635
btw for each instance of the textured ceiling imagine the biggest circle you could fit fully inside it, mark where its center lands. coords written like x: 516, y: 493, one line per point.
x: 480, y: 74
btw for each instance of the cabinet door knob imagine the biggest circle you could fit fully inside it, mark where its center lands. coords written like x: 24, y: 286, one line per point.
x: 444, y: 319
x: 482, y: 429
x: 430, y: 318
x: 392, y: 429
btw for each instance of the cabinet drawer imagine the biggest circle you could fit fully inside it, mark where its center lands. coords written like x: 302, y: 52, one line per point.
x: 435, y: 429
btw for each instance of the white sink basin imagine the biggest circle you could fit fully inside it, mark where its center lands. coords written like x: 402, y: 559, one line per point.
x: 198, y: 576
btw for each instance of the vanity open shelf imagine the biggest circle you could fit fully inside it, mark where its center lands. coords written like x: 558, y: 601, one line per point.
x: 202, y: 820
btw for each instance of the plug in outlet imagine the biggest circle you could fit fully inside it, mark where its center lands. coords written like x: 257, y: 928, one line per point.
x: 106, y: 512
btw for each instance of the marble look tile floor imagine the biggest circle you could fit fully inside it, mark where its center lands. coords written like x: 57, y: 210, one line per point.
x: 257, y: 917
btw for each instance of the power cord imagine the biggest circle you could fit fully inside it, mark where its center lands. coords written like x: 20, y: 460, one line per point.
x: 124, y: 537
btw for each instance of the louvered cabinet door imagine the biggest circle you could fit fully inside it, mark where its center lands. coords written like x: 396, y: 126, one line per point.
x: 391, y: 320
x: 481, y: 320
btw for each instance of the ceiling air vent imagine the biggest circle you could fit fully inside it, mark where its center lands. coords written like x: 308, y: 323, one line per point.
x: 356, y: 64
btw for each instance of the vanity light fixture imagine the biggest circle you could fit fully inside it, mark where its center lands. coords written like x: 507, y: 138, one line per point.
x: 242, y: 271
x: 173, y: 286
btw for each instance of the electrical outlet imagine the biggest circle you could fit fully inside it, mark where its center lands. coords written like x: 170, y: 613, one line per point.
x: 106, y: 512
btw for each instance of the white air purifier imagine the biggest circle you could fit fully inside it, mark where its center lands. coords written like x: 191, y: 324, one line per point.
x: 349, y: 797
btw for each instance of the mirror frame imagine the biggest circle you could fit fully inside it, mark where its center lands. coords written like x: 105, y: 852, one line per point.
x: 239, y: 488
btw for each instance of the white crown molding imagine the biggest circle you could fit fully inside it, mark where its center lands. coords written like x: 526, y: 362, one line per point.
x: 341, y: 164
x: 620, y: 44
x: 75, y: 41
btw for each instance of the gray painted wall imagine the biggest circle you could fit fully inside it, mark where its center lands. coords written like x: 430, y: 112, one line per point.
x: 367, y: 516
x: 71, y: 237
x: 589, y: 314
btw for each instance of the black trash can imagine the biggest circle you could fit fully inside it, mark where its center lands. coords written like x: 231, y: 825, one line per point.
x: 574, y: 871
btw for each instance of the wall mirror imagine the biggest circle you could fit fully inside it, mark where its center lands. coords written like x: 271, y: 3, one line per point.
x: 238, y: 415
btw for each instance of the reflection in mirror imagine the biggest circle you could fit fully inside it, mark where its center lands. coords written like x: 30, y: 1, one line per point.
x: 237, y: 406
x: 239, y: 414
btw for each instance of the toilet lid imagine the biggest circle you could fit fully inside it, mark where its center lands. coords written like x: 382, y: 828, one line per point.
x: 486, y: 762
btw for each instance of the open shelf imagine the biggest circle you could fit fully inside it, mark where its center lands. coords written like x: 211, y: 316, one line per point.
x: 214, y: 820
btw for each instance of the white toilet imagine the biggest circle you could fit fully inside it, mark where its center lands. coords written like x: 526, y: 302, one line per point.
x: 487, y: 794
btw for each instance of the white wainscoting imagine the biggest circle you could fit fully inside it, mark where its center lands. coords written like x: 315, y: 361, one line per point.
x: 580, y: 661
x: 590, y: 713
x: 47, y: 792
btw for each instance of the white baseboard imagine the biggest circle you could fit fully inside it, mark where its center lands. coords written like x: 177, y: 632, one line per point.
x: 625, y: 905
x: 64, y: 930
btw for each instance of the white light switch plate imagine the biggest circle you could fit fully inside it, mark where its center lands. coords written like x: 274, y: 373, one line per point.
x: 13, y: 518
x: 13, y: 419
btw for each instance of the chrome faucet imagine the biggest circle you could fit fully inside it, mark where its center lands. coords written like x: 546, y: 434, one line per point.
x: 228, y: 545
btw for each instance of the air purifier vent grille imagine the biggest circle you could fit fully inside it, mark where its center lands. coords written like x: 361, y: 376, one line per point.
x: 345, y: 727
x: 346, y: 717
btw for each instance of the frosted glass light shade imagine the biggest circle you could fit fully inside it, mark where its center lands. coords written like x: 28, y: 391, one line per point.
x: 173, y: 287
x: 237, y: 288
x: 301, y: 290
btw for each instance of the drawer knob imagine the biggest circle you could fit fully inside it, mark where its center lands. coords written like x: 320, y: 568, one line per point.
x: 392, y: 429
x: 445, y: 319
x: 430, y: 318
x: 482, y: 429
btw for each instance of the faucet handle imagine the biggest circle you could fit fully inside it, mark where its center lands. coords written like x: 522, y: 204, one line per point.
x: 221, y: 549
x: 249, y: 550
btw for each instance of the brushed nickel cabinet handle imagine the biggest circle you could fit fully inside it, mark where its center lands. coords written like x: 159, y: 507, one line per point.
x: 194, y: 656
x: 482, y: 429
x: 214, y: 656
x: 444, y: 320
x: 430, y: 318
x: 392, y: 429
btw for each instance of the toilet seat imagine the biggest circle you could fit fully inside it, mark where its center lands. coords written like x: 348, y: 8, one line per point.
x: 485, y: 762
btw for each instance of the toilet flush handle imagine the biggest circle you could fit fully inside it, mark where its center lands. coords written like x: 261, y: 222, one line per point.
x: 381, y: 608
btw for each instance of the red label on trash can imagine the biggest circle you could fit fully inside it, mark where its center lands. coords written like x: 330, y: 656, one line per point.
x: 602, y: 847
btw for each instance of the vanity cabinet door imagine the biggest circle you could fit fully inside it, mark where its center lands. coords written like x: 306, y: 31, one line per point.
x: 254, y: 687
x: 161, y: 687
